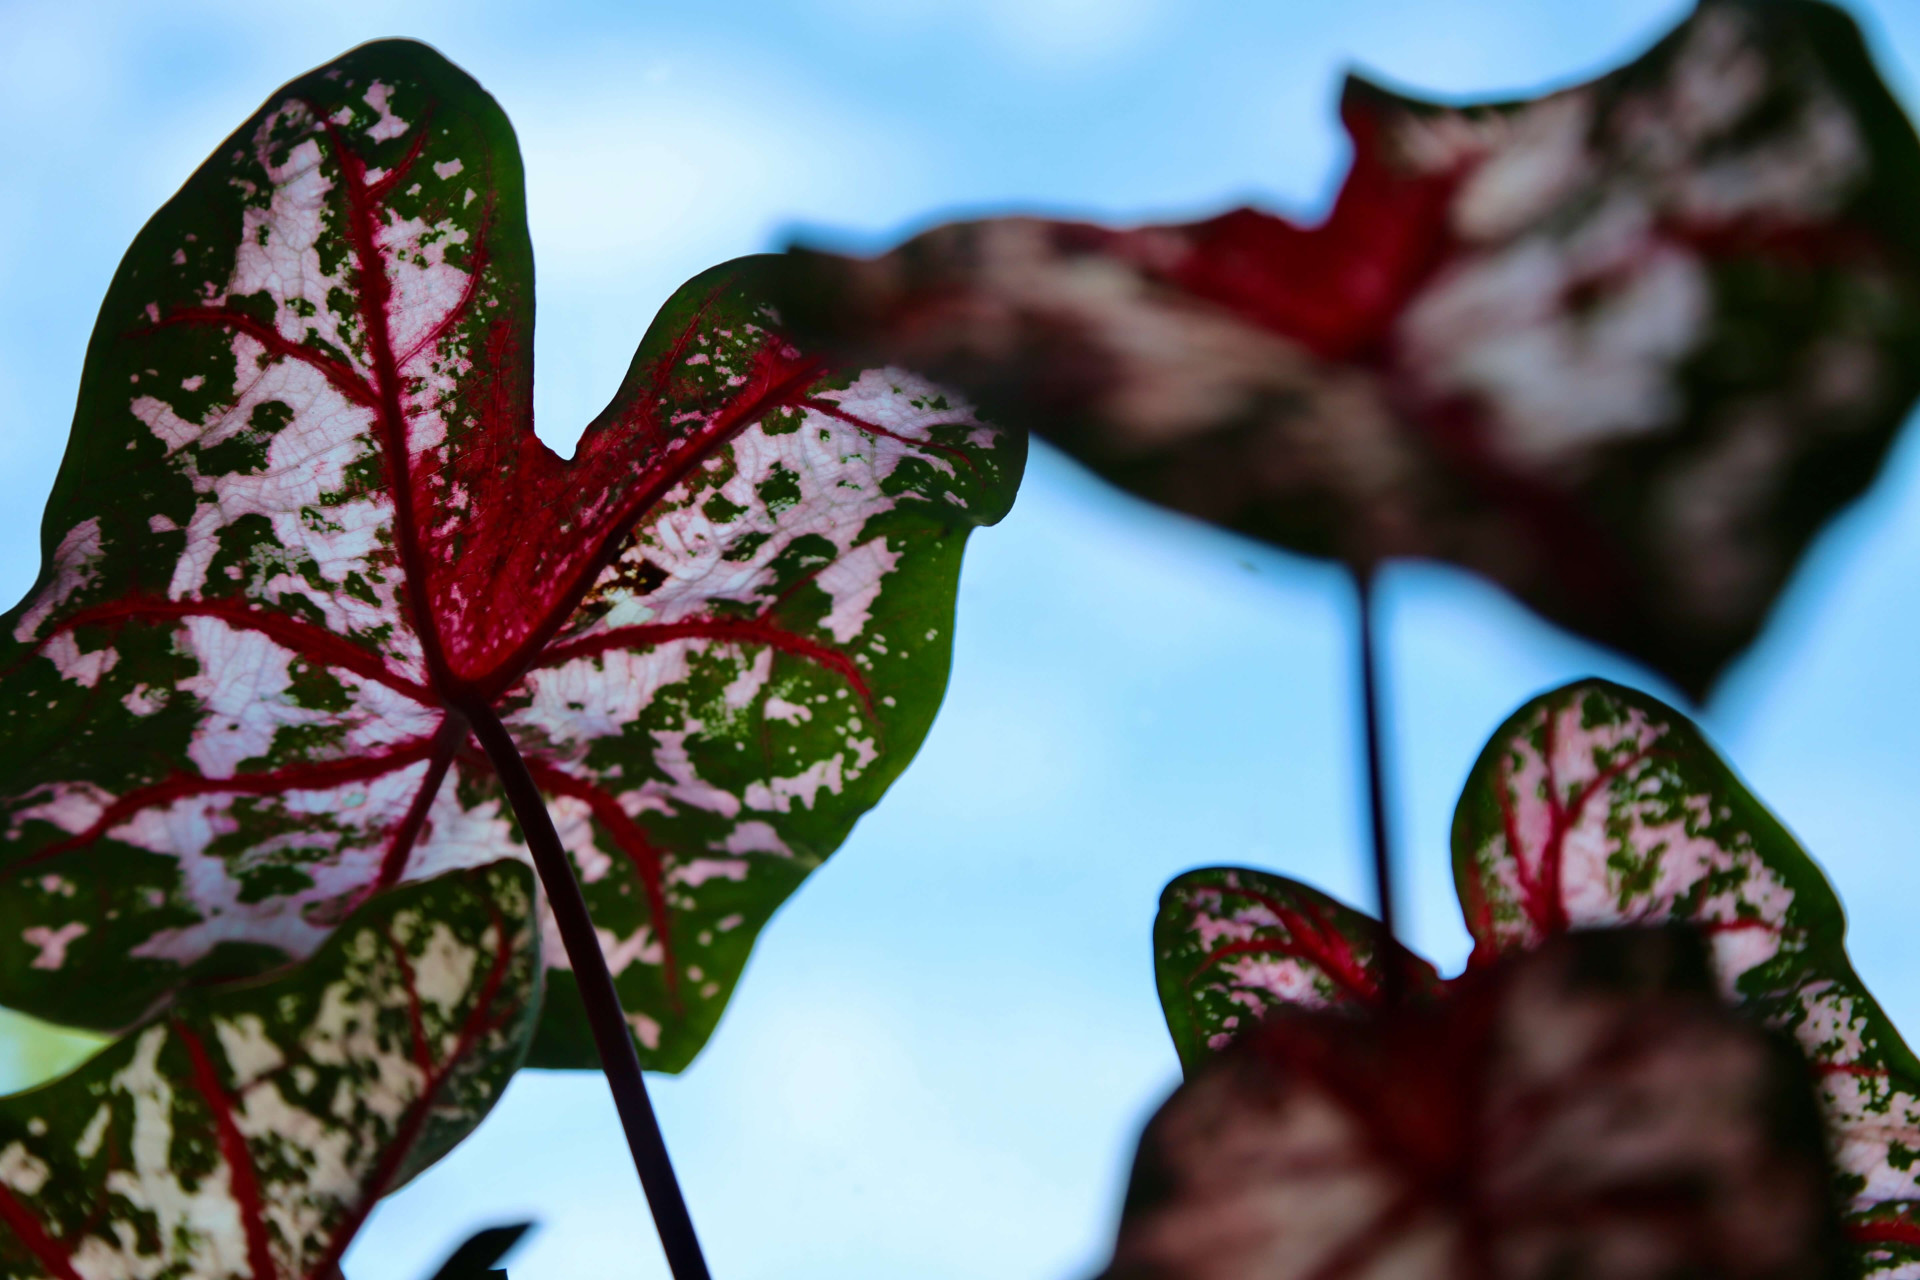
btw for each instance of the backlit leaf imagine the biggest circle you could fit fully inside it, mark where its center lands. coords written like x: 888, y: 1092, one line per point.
x: 1595, y: 806
x: 1622, y: 348
x: 1230, y: 945
x: 304, y: 520
x: 247, y: 1132
x: 1585, y: 1112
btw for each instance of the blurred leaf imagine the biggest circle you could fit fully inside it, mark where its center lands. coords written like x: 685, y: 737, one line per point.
x: 1623, y: 348
x: 304, y: 526
x: 245, y: 1133
x: 1585, y: 1112
x: 1230, y: 945
x: 1597, y: 806
x: 475, y: 1258
x: 1593, y: 806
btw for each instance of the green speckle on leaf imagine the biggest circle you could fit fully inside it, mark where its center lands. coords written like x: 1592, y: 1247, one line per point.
x: 316, y: 687
x: 721, y: 510
x: 357, y: 586
x: 780, y: 490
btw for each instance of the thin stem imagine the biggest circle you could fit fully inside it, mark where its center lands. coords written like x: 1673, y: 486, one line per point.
x: 611, y: 1035
x: 1391, y: 978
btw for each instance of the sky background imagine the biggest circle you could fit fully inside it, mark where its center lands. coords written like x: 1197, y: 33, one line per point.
x: 939, y: 1058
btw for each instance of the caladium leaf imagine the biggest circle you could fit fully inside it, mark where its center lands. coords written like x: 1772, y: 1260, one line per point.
x: 304, y: 520
x: 1595, y: 805
x: 1622, y: 348
x: 247, y: 1132
x: 1230, y: 945
x: 1586, y: 1112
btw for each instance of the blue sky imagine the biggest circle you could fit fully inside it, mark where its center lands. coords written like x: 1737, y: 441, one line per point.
x: 944, y: 1046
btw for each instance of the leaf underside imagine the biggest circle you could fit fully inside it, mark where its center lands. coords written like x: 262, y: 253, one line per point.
x: 1595, y: 805
x: 1230, y: 945
x: 304, y: 519
x: 1622, y: 348
x: 1586, y: 1112
x: 246, y: 1134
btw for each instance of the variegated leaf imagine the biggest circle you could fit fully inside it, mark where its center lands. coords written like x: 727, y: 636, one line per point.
x: 1622, y: 348
x: 1586, y: 1112
x: 246, y: 1133
x: 1595, y: 805
x: 1231, y: 945
x: 304, y: 520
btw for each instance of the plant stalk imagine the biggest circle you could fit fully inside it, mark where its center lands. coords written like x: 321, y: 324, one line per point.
x: 611, y: 1035
x: 1392, y: 980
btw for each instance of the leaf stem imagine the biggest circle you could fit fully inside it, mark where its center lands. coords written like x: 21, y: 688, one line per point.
x: 1391, y: 979
x: 611, y: 1035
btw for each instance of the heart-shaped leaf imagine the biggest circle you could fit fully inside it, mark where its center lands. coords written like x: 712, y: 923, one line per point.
x: 304, y: 527
x: 1595, y: 805
x: 1622, y: 348
x: 1586, y: 1112
x: 1230, y: 945
x: 246, y: 1133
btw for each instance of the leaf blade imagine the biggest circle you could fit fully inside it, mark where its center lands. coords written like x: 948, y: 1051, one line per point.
x: 1232, y: 945
x: 223, y: 646
x: 1586, y: 1109
x: 799, y: 590
x: 1595, y: 806
x: 304, y: 519
x: 248, y: 1131
x: 1590, y: 345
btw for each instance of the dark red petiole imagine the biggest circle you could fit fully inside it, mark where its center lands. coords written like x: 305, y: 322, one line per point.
x: 1392, y: 981
x: 611, y: 1035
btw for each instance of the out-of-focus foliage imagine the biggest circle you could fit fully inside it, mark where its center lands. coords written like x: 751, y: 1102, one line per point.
x: 1586, y: 1111
x: 1595, y: 806
x: 1623, y: 348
